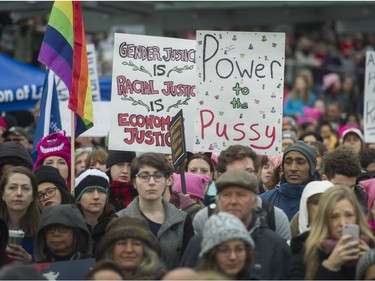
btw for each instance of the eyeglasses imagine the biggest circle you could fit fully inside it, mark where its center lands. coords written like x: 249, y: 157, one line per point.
x: 145, y: 177
x: 50, y: 192
x: 225, y: 251
x: 59, y: 227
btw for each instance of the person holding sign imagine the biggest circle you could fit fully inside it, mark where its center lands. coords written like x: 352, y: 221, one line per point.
x: 151, y: 175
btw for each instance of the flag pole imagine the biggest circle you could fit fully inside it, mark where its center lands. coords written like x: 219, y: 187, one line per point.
x: 72, y: 156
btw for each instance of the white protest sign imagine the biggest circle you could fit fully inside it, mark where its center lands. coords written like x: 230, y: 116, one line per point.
x: 153, y: 78
x: 101, y: 119
x: 63, y: 92
x: 369, y: 99
x: 240, y: 90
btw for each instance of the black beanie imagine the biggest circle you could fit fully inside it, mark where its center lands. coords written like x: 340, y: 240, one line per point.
x: 49, y: 174
x: 306, y: 149
x: 89, y: 179
x: 118, y: 156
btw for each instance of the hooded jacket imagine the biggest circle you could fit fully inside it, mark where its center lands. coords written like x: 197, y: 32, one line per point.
x: 15, y: 153
x: 68, y: 215
x: 173, y: 235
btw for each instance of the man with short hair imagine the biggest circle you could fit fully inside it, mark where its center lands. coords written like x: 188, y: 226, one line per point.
x: 299, y: 168
x: 237, y: 194
x: 342, y: 166
x: 243, y: 157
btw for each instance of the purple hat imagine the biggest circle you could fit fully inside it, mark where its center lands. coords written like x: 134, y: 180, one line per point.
x: 55, y: 144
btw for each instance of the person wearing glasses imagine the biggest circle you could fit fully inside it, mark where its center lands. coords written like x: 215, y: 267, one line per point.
x: 52, y: 189
x: 20, y: 208
x: 226, y: 247
x: 62, y: 235
x: 151, y: 175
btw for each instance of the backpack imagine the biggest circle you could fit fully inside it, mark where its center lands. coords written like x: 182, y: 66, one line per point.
x: 267, y: 207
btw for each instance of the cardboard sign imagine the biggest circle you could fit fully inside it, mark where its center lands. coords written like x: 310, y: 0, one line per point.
x: 153, y: 78
x: 369, y: 99
x: 239, y: 90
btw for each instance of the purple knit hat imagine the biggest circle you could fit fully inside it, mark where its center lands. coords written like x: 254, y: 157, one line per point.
x: 55, y: 144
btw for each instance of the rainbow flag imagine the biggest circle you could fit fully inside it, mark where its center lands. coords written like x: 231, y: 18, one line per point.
x: 64, y: 51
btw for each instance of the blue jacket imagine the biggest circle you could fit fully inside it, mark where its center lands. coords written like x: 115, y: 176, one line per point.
x: 285, y: 196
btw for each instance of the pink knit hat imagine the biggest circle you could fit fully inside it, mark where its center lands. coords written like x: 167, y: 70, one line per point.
x: 369, y: 186
x: 329, y: 79
x: 195, y: 184
x: 275, y: 160
x: 55, y: 144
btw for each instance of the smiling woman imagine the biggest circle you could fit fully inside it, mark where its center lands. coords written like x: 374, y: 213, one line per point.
x: 129, y: 242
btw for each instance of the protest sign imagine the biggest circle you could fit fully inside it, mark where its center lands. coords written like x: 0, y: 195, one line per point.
x: 153, y: 78
x: 101, y: 119
x: 177, y: 133
x: 369, y: 99
x: 239, y: 90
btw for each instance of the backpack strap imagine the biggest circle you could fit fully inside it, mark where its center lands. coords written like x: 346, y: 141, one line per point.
x: 270, y: 210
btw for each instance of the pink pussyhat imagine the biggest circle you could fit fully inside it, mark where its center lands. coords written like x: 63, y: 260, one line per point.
x: 275, y: 160
x: 55, y: 144
x: 195, y: 184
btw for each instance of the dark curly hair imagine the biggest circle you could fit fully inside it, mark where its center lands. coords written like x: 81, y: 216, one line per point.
x: 366, y: 157
x: 343, y: 161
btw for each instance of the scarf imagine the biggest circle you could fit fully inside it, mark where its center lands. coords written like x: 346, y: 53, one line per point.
x: 329, y: 244
x: 121, y: 194
x: 372, y: 225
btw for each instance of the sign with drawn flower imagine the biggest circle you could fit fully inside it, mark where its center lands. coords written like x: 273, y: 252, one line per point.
x: 239, y: 90
x: 153, y: 78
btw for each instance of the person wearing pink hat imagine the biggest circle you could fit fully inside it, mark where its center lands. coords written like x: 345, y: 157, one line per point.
x: 332, y: 91
x: 269, y: 172
x: 353, y: 137
x: 54, y: 150
x: 369, y: 186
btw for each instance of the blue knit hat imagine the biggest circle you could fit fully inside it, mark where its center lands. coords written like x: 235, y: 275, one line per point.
x: 306, y: 149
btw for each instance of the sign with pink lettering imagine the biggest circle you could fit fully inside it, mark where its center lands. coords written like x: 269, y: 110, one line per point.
x: 152, y: 79
x: 239, y: 90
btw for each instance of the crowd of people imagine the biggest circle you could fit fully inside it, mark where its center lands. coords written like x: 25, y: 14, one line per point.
x: 242, y: 216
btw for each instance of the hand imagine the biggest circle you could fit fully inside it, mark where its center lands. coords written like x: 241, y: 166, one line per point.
x: 363, y: 247
x: 18, y: 254
x: 346, y: 249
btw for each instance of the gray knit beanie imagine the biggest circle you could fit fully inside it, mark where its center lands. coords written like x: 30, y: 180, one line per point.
x: 306, y: 149
x: 364, y: 262
x: 223, y: 227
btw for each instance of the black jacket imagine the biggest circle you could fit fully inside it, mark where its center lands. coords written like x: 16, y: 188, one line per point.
x: 297, y: 266
x: 271, y: 254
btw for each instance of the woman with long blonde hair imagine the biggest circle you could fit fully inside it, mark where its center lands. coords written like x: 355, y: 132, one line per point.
x: 330, y: 254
